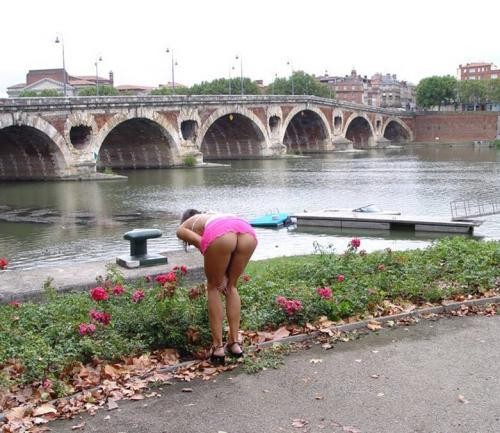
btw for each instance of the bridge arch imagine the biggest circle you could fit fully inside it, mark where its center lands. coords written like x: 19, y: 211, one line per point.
x: 306, y: 129
x: 359, y: 130
x: 396, y: 130
x: 31, y: 148
x: 139, y: 139
x: 233, y: 133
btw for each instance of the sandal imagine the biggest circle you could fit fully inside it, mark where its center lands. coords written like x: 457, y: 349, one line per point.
x: 229, y: 349
x: 217, y: 359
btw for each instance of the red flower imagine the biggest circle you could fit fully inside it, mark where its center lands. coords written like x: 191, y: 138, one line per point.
x: 246, y: 277
x: 324, y: 292
x: 340, y: 278
x: 166, y: 278
x: 3, y: 263
x: 86, y: 328
x: 137, y: 296
x: 100, y: 316
x: 118, y: 290
x: 184, y: 269
x: 99, y: 294
x: 355, y: 243
x: 15, y: 304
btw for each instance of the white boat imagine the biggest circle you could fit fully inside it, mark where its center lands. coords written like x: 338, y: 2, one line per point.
x: 369, y: 208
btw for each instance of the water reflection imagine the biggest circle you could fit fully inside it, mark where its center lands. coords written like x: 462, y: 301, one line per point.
x: 86, y: 220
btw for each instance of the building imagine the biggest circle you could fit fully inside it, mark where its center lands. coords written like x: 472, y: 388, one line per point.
x: 381, y: 90
x: 38, y: 80
x: 131, y: 89
x: 478, y: 71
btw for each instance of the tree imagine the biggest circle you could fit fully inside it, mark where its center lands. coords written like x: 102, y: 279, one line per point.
x: 473, y: 91
x: 103, y: 91
x: 432, y: 91
x: 45, y: 93
x: 303, y: 84
x: 222, y: 86
x: 169, y: 91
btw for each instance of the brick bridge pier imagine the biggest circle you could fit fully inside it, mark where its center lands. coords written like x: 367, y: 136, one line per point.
x: 50, y: 138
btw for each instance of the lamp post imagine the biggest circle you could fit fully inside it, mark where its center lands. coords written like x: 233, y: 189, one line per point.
x: 99, y: 59
x: 274, y: 80
x: 61, y: 41
x: 230, y: 78
x: 291, y: 76
x: 241, y: 70
x: 328, y: 83
x: 173, y: 64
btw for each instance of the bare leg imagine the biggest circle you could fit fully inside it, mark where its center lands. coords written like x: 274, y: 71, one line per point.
x: 216, y: 261
x: 244, y: 249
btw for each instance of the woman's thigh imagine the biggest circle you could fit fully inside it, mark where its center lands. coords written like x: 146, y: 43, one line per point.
x: 217, y: 257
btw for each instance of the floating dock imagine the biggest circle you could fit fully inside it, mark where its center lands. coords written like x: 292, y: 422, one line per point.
x: 383, y: 222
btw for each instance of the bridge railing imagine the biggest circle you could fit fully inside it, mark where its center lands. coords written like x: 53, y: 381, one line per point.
x: 86, y: 102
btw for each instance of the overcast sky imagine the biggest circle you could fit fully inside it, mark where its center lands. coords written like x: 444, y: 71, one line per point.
x: 411, y: 39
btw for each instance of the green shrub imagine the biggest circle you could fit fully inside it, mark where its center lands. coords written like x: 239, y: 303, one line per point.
x: 189, y: 160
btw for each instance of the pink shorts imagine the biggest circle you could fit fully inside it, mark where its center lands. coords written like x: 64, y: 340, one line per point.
x: 220, y: 226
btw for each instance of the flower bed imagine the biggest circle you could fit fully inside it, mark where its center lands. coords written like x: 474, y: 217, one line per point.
x: 44, y: 341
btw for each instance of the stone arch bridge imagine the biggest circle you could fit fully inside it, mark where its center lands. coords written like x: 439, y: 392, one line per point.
x: 44, y: 138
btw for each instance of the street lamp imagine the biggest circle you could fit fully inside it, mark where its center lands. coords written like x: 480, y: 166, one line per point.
x: 230, y: 69
x: 174, y: 64
x: 99, y: 59
x: 328, y: 83
x: 241, y: 70
x: 274, y: 80
x: 291, y: 76
x: 61, y: 41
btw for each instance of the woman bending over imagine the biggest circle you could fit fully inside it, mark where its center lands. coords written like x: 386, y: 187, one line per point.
x: 227, y: 243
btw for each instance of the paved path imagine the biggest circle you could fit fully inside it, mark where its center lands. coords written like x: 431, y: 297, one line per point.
x: 422, y: 370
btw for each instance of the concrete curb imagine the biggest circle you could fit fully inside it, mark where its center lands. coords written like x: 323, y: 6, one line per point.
x: 359, y: 325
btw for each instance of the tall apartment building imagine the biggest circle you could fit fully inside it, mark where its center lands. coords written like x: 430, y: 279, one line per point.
x: 478, y: 71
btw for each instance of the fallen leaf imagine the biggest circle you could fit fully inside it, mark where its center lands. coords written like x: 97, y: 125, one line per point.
x: 327, y: 346
x: 112, y: 405
x: 78, y: 426
x: 137, y: 397
x: 299, y: 423
x: 373, y: 325
x: 15, y: 414
x: 374, y: 376
x: 44, y: 409
x: 462, y: 399
x: 281, y: 333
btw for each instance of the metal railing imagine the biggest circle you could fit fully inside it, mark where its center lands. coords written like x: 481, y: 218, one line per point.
x: 481, y: 205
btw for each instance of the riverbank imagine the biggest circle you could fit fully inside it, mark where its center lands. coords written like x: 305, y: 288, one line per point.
x: 23, y: 285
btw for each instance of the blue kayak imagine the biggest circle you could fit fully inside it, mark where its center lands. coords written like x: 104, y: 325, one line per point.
x: 271, y: 220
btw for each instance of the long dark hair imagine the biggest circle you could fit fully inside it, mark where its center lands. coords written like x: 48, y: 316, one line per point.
x: 188, y: 213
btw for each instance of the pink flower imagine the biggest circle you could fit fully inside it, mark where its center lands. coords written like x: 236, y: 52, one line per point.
x: 137, y: 296
x: 324, y: 292
x: 184, y: 269
x: 99, y: 294
x: 118, y: 290
x: 381, y: 267
x: 355, y: 243
x: 340, y: 278
x: 3, y: 263
x: 100, y: 316
x: 15, y: 304
x: 166, y: 278
x: 86, y: 328
x: 46, y: 383
x: 289, y: 306
x: 246, y: 278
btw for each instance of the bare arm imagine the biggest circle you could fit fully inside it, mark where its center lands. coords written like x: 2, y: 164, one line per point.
x: 189, y: 236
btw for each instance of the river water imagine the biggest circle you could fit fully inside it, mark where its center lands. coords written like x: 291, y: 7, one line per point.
x: 56, y: 223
